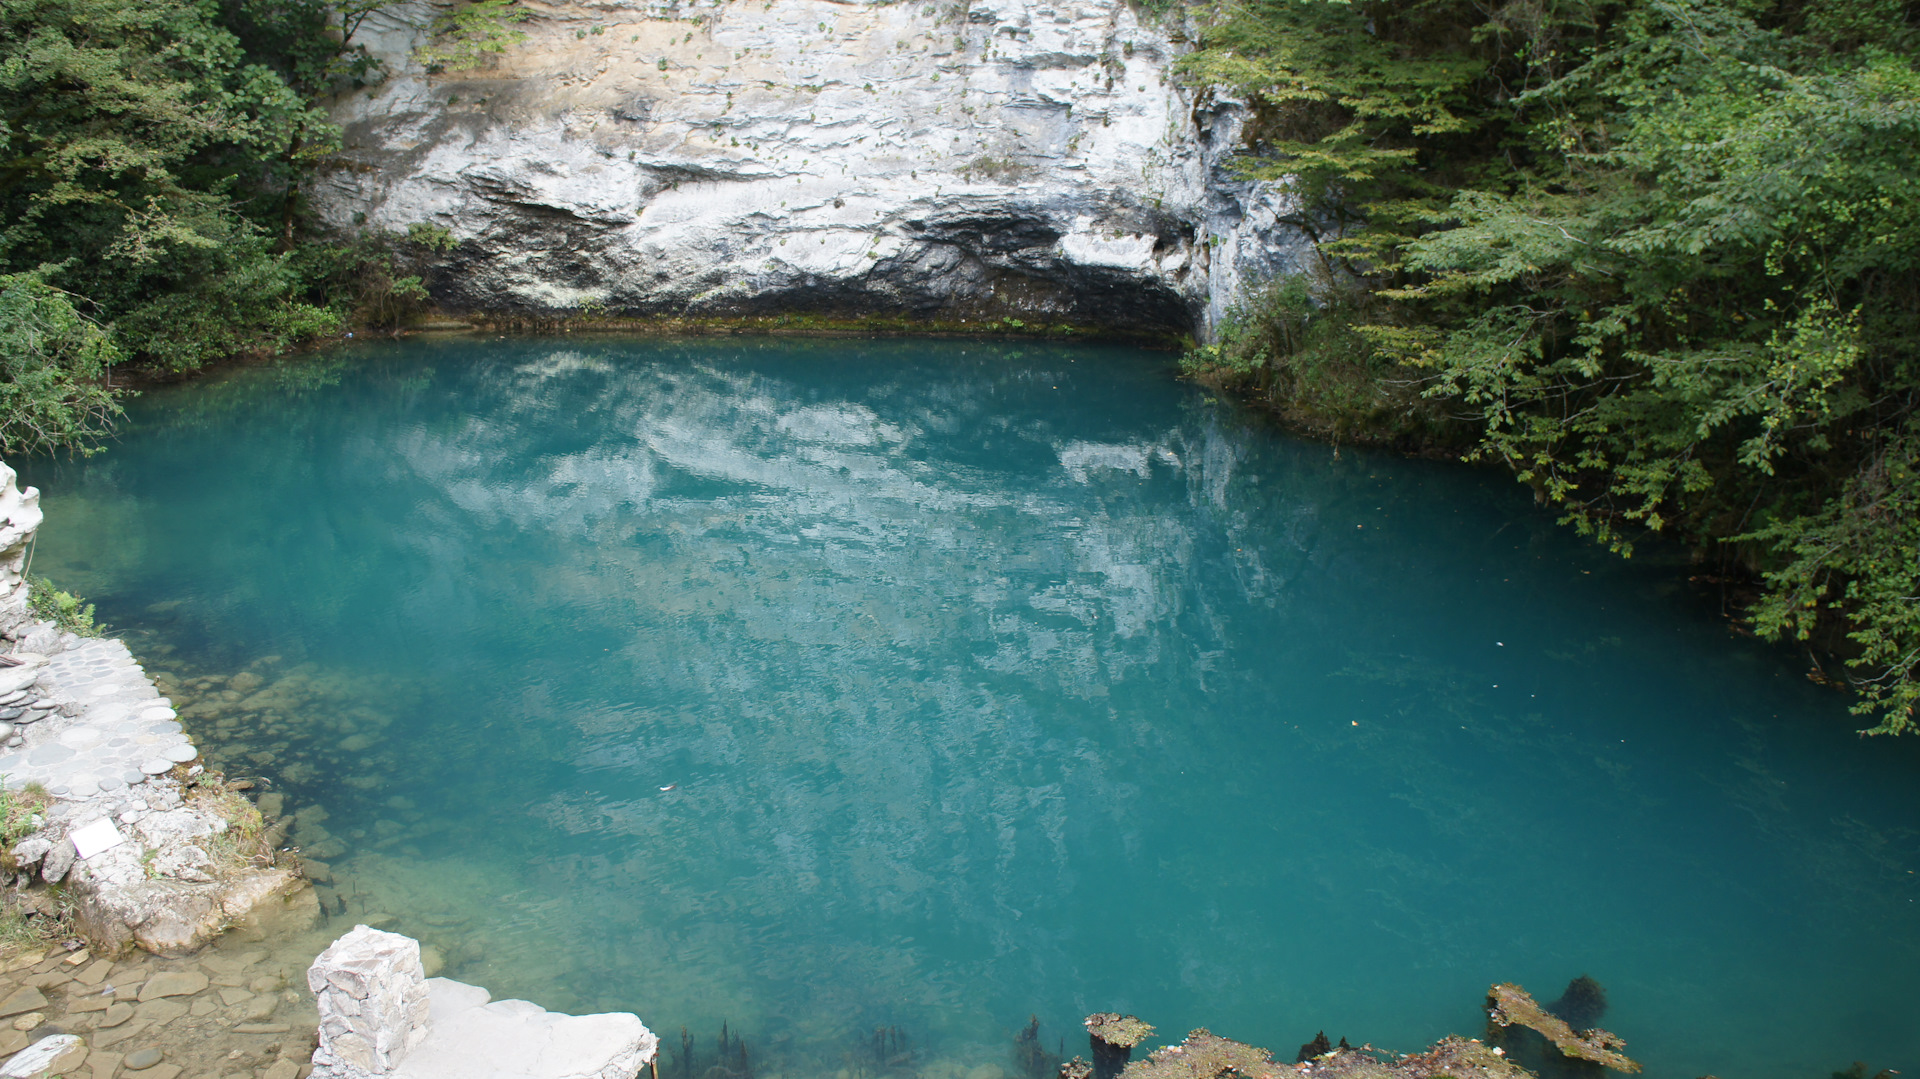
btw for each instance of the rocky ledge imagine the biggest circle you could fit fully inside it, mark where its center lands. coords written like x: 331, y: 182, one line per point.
x: 990, y: 159
x: 382, y: 1018
x: 150, y: 849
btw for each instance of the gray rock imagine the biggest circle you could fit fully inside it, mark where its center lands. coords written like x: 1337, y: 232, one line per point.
x: 30, y: 850
x: 156, y: 766
x: 1052, y: 168
x: 15, y: 679
x: 141, y: 1059
x: 173, y: 983
x: 183, y: 753
x: 58, y: 861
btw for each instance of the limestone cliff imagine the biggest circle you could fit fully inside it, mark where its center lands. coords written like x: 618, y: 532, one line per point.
x: 983, y: 159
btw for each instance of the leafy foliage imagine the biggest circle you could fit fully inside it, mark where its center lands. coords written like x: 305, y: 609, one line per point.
x: 152, y: 161
x: 51, y: 357
x: 472, y: 31
x: 1662, y: 253
x: 131, y: 132
x: 63, y: 609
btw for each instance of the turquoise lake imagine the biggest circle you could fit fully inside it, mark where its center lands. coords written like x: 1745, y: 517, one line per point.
x: 815, y: 687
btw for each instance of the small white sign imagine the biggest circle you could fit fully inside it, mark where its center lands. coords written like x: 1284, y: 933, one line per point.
x: 91, y: 839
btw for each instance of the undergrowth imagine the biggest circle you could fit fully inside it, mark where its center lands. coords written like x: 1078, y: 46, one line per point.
x: 63, y: 609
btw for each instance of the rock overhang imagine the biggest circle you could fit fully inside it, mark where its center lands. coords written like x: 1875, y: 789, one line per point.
x: 1016, y: 159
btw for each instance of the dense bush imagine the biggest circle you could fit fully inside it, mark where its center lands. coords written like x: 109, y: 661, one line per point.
x: 1661, y: 253
x: 152, y: 162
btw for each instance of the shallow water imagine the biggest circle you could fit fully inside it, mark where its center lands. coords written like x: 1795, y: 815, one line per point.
x: 815, y: 687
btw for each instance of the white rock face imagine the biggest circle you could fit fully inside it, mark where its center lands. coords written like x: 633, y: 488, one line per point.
x: 982, y: 159
x: 20, y: 518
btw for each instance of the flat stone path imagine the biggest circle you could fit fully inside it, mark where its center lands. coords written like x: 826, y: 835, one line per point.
x: 237, y: 1011
x: 125, y: 731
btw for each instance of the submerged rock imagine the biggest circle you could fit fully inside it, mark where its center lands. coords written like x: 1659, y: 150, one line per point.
x: 1510, y: 1006
x: 1113, y: 1039
x: 1582, y: 1005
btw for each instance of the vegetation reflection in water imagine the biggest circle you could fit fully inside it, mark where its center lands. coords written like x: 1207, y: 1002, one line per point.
x: 825, y: 687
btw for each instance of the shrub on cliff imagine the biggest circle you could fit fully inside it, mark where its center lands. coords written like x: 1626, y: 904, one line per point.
x: 1662, y: 253
x: 136, y: 141
x: 52, y: 359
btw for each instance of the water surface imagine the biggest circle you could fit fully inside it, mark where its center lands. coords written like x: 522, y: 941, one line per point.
x: 818, y: 687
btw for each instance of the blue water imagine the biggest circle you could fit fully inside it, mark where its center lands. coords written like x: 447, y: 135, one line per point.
x: 990, y: 681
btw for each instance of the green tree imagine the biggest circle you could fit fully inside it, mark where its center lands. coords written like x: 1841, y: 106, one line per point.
x: 1661, y: 252
x: 52, y: 361
x: 131, y: 132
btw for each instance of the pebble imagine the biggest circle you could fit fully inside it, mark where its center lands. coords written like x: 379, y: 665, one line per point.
x: 156, y: 766
x: 29, y: 1020
x: 117, y: 1013
x: 141, y: 1059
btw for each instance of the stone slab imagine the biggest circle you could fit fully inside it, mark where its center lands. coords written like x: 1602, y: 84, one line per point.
x: 173, y: 983
x: 469, y: 1037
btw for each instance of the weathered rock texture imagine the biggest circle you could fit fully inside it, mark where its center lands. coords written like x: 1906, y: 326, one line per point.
x: 373, y: 1003
x: 382, y: 1018
x: 20, y: 518
x: 971, y: 160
